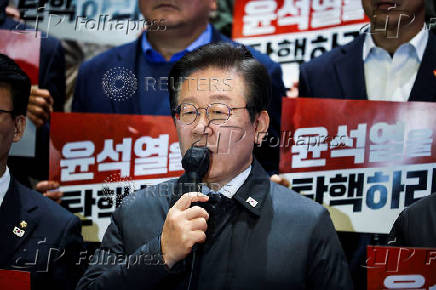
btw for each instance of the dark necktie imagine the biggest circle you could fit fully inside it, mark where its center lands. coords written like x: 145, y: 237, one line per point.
x: 220, y: 209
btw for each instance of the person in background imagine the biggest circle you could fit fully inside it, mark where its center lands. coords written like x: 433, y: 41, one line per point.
x: 181, y: 26
x: 416, y: 225
x: 392, y: 64
x: 47, y: 97
x: 37, y: 235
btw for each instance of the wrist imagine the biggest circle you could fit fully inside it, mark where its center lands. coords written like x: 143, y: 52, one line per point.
x: 165, y: 257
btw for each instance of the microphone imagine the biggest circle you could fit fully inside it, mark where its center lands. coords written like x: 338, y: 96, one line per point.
x: 196, y: 164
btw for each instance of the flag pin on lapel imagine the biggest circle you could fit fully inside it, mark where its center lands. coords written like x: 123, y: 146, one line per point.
x: 251, y: 201
x: 23, y: 224
x: 18, y: 232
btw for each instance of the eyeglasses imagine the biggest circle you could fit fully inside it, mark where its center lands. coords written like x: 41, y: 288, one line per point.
x: 4, y: 111
x: 216, y: 113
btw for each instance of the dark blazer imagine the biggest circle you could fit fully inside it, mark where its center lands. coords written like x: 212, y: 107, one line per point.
x: 416, y: 225
x: 52, y: 238
x: 339, y: 74
x: 90, y: 97
x: 286, y: 241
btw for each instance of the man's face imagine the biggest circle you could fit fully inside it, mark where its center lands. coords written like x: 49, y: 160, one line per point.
x: 177, y: 12
x: 398, y: 10
x: 10, y: 128
x: 231, y: 144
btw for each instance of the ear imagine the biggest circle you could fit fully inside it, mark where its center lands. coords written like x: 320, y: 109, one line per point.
x: 19, y: 127
x: 261, y: 126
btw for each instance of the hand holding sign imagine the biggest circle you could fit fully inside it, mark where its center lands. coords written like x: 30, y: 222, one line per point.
x: 50, y: 189
x: 40, y: 106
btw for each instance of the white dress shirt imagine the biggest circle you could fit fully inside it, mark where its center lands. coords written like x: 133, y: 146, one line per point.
x: 232, y: 187
x: 4, y: 184
x: 392, y: 78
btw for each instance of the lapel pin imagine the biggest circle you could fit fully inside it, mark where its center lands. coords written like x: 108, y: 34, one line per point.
x: 251, y: 201
x: 23, y: 224
x: 18, y: 232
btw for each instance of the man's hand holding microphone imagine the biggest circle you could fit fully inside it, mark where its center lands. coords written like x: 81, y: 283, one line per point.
x: 184, y: 227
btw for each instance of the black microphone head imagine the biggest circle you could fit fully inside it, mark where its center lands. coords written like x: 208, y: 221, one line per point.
x: 196, y: 159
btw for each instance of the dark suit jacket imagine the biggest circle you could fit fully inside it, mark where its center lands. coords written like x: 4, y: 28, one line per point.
x: 286, y: 241
x: 49, y: 226
x: 90, y: 97
x: 416, y: 225
x: 339, y: 74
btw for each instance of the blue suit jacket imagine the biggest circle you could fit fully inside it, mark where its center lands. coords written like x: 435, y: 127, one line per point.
x: 339, y: 74
x: 52, y: 238
x: 90, y: 97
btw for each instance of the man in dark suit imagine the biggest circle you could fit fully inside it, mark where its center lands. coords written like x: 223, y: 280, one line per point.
x: 250, y: 233
x: 379, y: 64
x: 131, y: 79
x: 416, y: 225
x: 394, y: 61
x: 48, y: 96
x: 37, y: 235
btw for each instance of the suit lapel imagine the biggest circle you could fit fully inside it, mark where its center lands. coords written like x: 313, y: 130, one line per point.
x: 350, y: 70
x: 127, y: 58
x: 425, y: 84
x: 13, y: 211
x: 252, y: 194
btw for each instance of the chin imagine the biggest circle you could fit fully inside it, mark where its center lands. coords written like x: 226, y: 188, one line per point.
x: 213, y: 175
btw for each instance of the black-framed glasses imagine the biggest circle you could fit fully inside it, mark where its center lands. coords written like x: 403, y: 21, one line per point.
x: 7, y: 112
x: 216, y: 113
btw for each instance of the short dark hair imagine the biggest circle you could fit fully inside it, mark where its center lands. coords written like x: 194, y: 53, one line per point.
x: 13, y: 75
x: 225, y: 56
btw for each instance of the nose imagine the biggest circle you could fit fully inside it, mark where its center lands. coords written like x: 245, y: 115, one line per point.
x: 201, y: 124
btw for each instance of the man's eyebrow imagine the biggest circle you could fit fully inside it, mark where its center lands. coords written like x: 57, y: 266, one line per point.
x: 188, y: 100
x: 221, y: 97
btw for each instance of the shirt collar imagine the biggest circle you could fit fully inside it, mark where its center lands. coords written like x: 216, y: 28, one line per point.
x: 154, y: 56
x: 232, y: 187
x: 419, y: 42
x: 4, y: 184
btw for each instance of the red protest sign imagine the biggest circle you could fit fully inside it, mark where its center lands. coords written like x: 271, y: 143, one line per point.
x: 364, y: 160
x: 14, y: 280
x: 100, y: 159
x: 262, y: 18
x: 24, y: 48
x: 86, y: 148
x: 400, y: 268
x: 327, y: 134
